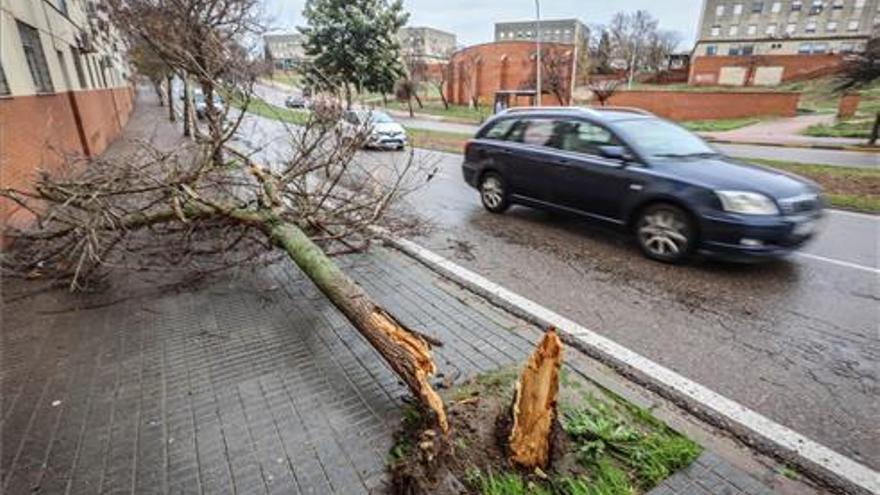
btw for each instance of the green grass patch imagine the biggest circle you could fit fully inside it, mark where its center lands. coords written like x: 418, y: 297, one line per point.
x: 265, y: 109
x: 855, y: 202
x: 449, y: 142
x: 457, y: 113
x: 718, y: 125
x: 856, y: 128
x: 607, y: 435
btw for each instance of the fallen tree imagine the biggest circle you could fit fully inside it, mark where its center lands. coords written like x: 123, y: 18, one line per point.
x: 207, y: 205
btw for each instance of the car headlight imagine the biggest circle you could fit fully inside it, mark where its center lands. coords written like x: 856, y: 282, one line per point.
x: 749, y: 203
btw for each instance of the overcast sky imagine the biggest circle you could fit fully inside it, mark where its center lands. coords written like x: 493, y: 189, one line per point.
x: 473, y: 21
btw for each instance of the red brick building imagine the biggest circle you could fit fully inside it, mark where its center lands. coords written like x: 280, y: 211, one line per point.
x: 64, y: 89
x: 478, y: 71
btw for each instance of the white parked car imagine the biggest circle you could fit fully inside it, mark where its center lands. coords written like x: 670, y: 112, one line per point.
x: 381, y: 130
x: 201, y: 104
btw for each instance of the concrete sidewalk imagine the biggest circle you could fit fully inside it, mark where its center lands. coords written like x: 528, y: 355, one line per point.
x: 785, y: 132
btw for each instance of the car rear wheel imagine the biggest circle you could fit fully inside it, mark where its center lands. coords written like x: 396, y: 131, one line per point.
x: 493, y: 193
x: 665, y: 233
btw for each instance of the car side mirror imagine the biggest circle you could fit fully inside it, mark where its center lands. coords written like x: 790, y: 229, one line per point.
x: 616, y: 153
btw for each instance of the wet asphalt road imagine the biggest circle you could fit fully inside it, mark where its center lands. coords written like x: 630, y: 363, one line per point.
x: 795, y: 339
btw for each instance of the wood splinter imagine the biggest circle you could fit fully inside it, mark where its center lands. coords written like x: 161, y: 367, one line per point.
x: 534, y: 405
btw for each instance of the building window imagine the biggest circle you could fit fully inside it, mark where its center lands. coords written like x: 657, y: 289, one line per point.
x: 771, y: 29
x: 752, y: 29
x: 837, y: 5
x: 711, y: 50
x: 734, y: 50
x: 748, y: 49
x: 4, y: 86
x: 776, y: 7
x: 36, y: 59
x: 852, y: 26
x: 791, y: 28
x: 805, y: 48
x: 77, y: 66
x: 847, y: 47
x: 733, y: 30
x: 797, y: 5
x: 716, y: 30
x: 737, y: 9
x: 859, y: 4
x: 810, y: 27
x: 757, y: 7
x: 719, y: 11
x: 820, y: 48
x: 816, y: 7
x: 831, y: 26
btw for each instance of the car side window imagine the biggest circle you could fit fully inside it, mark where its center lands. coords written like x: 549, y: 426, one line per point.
x: 500, y: 129
x: 535, y: 132
x: 583, y: 137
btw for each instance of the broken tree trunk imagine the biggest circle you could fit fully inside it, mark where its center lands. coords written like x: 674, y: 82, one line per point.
x: 408, y: 354
x: 534, y: 405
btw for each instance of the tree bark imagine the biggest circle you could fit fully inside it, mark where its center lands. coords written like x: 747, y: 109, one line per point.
x: 534, y: 405
x: 409, y: 104
x: 187, y: 115
x: 875, y: 131
x: 418, y: 100
x: 170, y: 94
x: 407, y: 353
x: 443, y: 96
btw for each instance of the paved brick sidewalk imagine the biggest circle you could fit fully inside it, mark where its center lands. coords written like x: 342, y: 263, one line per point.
x: 250, y: 384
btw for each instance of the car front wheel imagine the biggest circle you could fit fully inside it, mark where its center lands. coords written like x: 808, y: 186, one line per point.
x: 493, y: 193
x: 665, y: 233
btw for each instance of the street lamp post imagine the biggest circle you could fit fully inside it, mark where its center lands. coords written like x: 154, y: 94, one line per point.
x: 538, y: 71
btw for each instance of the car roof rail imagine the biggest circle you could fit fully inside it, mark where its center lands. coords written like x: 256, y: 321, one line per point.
x: 639, y: 111
x: 547, y: 109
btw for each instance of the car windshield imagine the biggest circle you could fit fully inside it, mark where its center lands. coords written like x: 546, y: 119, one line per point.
x: 379, y: 118
x: 659, y: 138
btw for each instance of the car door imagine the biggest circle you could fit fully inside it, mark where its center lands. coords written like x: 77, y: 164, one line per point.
x: 584, y: 179
x: 528, y: 158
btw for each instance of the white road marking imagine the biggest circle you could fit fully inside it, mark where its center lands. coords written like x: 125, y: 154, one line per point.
x: 782, y: 436
x: 833, y: 261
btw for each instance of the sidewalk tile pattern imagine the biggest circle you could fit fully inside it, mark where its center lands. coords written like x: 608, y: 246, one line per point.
x: 254, y: 384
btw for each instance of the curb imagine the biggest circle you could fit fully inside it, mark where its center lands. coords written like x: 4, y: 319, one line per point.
x: 814, y: 146
x: 825, y: 466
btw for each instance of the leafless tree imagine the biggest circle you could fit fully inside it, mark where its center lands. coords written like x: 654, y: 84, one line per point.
x: 631, y: 36
x: 661, y: 44
x: 555, y: 74
x: 203, y: 39
x: 603, y: 89
x: 438, y: 79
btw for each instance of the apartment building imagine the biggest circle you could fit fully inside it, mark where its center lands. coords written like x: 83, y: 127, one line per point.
x: 571, y: 31
x: 787, y: 39
x: 284, y: 51
x: 64, y: 86
x: 428, y: 44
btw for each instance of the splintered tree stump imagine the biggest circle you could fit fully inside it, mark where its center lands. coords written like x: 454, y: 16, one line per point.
x: 534, y: 405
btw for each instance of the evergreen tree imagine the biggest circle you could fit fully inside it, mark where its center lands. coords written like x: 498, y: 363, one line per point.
x: 353, y: 44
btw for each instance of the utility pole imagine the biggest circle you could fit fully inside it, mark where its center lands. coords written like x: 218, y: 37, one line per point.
x: 538, y: 70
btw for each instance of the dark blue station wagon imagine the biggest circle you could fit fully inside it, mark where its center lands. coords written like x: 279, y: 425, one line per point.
x: 677, y: 194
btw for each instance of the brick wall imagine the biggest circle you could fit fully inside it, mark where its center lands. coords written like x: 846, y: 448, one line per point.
x: 690, y: 105
x: 706, y: 70
x: 506, y: 65
x: 849, y: 104
x: 38, y: 133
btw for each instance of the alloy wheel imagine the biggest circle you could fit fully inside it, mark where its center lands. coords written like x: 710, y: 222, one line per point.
x: 664, y: 234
